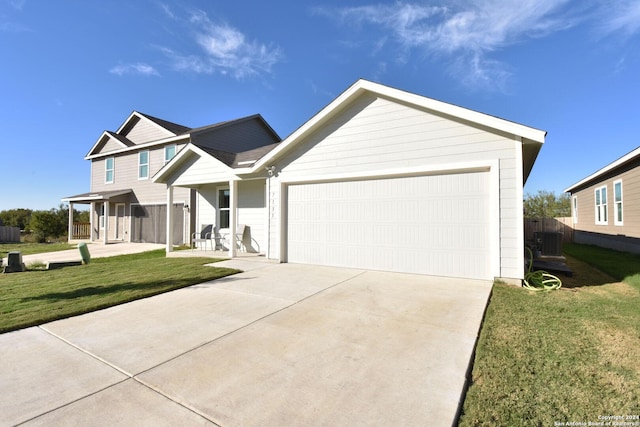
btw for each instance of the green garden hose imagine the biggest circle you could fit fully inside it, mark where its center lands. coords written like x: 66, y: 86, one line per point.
x: 539, y: 280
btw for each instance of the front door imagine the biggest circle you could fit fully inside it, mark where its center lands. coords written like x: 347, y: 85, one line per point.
x: 120, y: 219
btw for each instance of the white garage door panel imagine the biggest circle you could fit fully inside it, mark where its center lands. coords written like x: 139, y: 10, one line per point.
x: 435, y: 225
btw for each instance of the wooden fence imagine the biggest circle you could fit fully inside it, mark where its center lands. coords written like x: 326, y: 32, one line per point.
x: 81, y: 231
x: 9, y: 234
x: 562, y: 225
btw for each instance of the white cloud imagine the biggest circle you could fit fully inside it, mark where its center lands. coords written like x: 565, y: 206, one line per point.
x: 466, y: 31
x: 224, y: 49
x: 621, y: 16
x: 138, y: 68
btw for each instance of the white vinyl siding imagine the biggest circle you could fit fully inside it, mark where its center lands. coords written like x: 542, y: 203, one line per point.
x: 601, y: 205
x: 617, y: 203
x: 147, y: 131
x: 375, y: 134
x: 109, y: 170
x: 202, y: 170
x: 146, y: 191
x: 143, y: 165
x: 433, y: 224
x: 251, y: 210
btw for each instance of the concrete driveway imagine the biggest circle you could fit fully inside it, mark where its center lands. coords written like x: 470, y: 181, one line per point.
x: 280, y: 344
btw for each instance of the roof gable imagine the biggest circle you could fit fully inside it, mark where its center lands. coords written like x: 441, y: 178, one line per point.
x: 141, y: 128
x: 532, y: 138
x: 138, y: 129
x: 108, y: 142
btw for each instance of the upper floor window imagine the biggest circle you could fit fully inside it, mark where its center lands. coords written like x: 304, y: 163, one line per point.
x: 169, y: 152
x: 143, y: 165
x: 601, y: 205
x: 574, y: 207
x: 109, y: 170
x: 617, y: 202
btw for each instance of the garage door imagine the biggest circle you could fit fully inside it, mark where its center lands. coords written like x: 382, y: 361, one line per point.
x: 434, y: 224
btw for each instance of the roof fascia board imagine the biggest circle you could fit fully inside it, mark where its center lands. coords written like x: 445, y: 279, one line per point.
x: 627, y: 157
x: 139, y: 146
x: 361, y: 86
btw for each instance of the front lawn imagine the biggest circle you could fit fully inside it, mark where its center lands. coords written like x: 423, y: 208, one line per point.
x: 36, y: 297
x: 33, y: 248
x: 566, y: 356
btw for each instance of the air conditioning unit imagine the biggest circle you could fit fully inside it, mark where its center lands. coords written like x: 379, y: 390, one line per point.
x: 549, y: 242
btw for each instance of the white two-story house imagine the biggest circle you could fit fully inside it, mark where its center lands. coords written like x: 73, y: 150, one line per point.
x: 126, y: 205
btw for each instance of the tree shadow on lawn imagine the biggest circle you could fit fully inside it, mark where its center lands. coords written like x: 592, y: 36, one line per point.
x: 584, y: 275
x: 134, y: 290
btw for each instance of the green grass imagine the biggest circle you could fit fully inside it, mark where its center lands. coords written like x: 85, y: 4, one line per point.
x: 36, y: 297
x: 563, y: 356
x: 619, y: 265
x: 33, y: 248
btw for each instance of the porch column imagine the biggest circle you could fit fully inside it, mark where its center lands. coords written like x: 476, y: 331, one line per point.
x: 92, y: 213
x: 106, y: 222
x: 169, y: 218
x: 233, y: 207
x: 70, y: 235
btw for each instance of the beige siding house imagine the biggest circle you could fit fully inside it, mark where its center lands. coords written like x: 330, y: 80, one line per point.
x: 126, y: 204
x: 379, y: 179
x: 606, y: 205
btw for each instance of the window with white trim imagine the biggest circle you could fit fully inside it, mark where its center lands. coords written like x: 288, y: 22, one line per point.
x: 143, y: 165
x: 109, y: 166
x: 101, y: 217
x: 169, y: 152
x: 574, y: 206
x: 617, y: 202
x: 601, y: 205
x: 224, y: 208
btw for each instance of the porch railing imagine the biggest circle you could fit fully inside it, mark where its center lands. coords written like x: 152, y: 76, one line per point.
x: 81, y: 231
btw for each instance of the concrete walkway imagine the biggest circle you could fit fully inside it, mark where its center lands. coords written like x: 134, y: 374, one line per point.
x: 280, y: 344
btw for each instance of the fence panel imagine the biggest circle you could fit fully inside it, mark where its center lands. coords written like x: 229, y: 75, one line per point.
x: 9, y: 234
x: 563, y: 225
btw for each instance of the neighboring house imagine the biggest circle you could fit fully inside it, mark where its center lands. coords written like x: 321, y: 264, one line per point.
x: 126, y: 205
x: 605, y: 207
x: 379, y: 179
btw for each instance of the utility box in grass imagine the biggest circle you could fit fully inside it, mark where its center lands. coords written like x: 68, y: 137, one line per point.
x: 14, y: 263
x: 84, y: 253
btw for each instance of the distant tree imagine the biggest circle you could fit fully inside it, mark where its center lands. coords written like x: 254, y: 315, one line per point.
x: 43, y: 224
x: 546, y: 204
x: 16, y: 218
x: 81, y: 216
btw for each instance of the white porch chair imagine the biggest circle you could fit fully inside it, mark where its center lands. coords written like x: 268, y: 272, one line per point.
x: 240, y: 236
x: 205, y: 235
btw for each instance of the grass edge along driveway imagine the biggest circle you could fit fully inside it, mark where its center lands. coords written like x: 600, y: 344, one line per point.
x: 562, y: 357
x: 36, y: 297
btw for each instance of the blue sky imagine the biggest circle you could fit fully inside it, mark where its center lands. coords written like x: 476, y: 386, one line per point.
x: 71, y: 69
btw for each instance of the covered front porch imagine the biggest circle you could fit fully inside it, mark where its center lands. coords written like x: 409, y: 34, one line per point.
x: 230, y: 219
x: 106, y: 214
